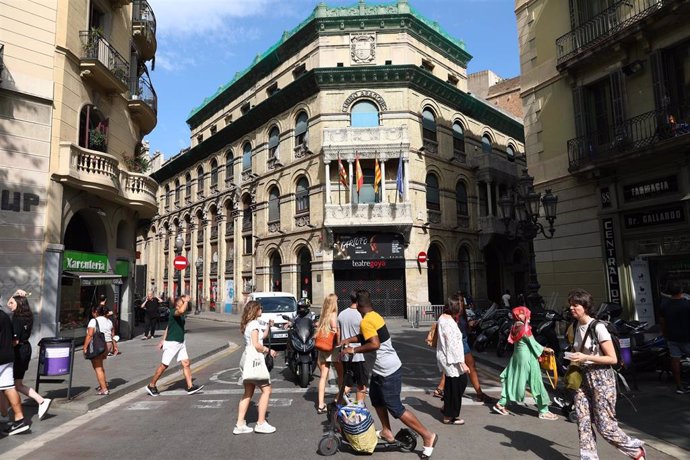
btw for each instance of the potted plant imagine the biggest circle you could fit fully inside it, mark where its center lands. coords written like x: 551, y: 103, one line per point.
x: 137, y: 164
x: 97, y: 140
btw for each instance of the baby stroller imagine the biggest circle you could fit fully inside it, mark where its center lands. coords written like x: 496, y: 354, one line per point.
x: 352, y: 425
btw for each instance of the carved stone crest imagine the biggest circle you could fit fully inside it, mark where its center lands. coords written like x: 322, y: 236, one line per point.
x: 363, y: 48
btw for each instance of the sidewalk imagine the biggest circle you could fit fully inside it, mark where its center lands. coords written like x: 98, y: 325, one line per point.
x: 207, y: 334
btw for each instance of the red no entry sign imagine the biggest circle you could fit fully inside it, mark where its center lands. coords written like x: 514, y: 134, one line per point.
x: 180, y: 262
x: 421, y: 257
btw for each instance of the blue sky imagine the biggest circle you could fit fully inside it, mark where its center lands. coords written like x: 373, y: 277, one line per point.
x: 202, y: 43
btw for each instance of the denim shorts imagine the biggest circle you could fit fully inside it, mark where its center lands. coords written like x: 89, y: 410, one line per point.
x: 465, y: 346
x: 678, y: 349
x: 385, y: 392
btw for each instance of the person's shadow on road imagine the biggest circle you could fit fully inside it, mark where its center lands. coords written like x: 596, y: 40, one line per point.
x: 528, y: 442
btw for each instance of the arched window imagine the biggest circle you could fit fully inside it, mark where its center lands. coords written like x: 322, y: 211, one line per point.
x: 275, y: 278
x: 200, y: 181
x: 273, y: 205
x: 304, y: 273
x: 301, y: 129
x: 177, y: 191
x: 429, y: 125
x: 302, y: 196
x: 486, y: 143
x: 188, y: 186
x: 364, y: 114
x: 228, y: 167
x: 247, y: 157
x: 214, y: 174
x: 458, y: 138
x: 461, y: 199
x: 93, y: 129
x: 273, y: 142
x: 433, y: 197
x: 510, y: 153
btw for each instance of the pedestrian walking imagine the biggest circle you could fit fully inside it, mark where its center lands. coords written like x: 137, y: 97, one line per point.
x: 328, y: 324
x: 98, y: 319
x: 595, y: 400
x: 384, y: 365
x: 22, y: 324
x: 675, y: 325
x: 523, y: 368
x: 173, y: 345
x: 450, y: 357
x: 151, y: 307
x: 254, y: 335
x: 10, y: 396
x: 353, y: 370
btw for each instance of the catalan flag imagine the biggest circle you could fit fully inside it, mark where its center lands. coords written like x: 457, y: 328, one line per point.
x: 342, y: 174
x: 359, y: 177
x: 377, y: 176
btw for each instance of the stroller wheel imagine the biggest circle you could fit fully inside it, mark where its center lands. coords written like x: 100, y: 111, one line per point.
x: 572, y: 417
x: 329, y: 445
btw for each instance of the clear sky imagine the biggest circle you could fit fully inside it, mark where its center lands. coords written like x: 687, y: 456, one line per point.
x: 202, y: 43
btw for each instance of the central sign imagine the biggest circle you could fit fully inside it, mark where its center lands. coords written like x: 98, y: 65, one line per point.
x: 180, y: 263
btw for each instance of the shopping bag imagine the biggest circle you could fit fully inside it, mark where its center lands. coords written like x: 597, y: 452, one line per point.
x: 548, y: 363
x: 254, y: 367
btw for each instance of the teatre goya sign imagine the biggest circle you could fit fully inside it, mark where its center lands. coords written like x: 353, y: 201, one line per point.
x: 84, y: 262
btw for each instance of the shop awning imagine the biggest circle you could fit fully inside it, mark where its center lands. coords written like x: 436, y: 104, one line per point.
x: 94, y: 279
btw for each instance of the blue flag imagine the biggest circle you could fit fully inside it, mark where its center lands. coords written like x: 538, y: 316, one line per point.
x: 399, y: 179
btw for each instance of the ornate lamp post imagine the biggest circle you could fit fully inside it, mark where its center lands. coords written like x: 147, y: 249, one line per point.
x: 520, y: 214
x: 199, y: 264
x: 179, y: 242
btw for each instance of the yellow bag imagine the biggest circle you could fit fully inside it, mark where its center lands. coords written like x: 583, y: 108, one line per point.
x: 363, y: 442
x: 548, y: 363
x: 431, y: 337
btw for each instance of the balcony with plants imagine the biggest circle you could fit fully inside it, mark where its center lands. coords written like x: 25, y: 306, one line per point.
x: 144, y: 29
x: 143, y: 103
x: 102, y: 63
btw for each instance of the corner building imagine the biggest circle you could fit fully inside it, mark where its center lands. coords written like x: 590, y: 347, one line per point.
x: 606, y: 90
x: 75, y: 102
x: 261, y: 203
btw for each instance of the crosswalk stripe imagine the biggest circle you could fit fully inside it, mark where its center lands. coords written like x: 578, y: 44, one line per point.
x: 146, y: 405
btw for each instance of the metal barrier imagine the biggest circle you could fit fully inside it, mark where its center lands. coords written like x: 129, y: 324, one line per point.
x: 423, y: 314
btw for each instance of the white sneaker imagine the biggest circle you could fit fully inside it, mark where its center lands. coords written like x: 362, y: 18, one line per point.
x: 242, y: 429
x: 43, y: 408
x: 264, y: 428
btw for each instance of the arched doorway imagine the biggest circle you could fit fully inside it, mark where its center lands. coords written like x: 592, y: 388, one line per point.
x: 304, y: 280
x: 274, y: 272
x: 435, y: 275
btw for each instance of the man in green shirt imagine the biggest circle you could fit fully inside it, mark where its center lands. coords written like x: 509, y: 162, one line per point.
x: 173, y: 345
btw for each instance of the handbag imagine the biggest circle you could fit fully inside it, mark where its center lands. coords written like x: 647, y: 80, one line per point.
x: 432, y: 337
x: 97, y: 346
x: 574, y: 375
x: 548, y: 363
x: 268, y: 358
x: 254, y: 367
x: 325, y: 342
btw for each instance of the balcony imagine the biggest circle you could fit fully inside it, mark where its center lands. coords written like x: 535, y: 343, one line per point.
x: 379, y: 142
x: 101, y: 62
x: 635, y: 135
x: 609, y: 25
x: 140, y: 191
x: 143, y: 104
x: 229, y: 269
x: 488, y: 227
x: 493, y: 164
x: 144, y: 29
x: 374, y: 215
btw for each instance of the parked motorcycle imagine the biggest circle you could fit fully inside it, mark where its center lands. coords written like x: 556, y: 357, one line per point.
x: 300, y: 354
x: 544, y: 331
x: 489, y: 326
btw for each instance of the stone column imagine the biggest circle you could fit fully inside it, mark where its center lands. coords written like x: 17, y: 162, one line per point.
x: 489, y: 190
x: 406, y: 176
x: 350, y: 181
x: 328, y: 182
x: 383, y: 180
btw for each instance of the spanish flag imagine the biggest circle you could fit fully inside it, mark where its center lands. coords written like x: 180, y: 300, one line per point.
x: 377, y: 176
x: 342, y: 174
x: 359, y: 177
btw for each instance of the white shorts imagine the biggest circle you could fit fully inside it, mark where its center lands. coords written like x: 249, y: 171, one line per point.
x: 6, y: 376
x: 170, y: 349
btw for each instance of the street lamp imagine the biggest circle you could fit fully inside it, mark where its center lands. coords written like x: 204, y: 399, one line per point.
x: 199, y: 264
x: 521, y: 207
x: 179, y: 242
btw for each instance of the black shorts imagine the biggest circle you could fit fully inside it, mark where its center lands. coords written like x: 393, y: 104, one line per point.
x: 355, y: 374
x: 22, y: 358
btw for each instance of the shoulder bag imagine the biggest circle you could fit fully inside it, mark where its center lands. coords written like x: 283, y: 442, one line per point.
x: 574, y: 375
x: 254, y: 368
x: 97, y: 345
x: 325, y: 341
x: 267, y: 357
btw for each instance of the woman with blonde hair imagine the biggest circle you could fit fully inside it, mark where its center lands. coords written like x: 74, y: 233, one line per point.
x: 254, y: 334
x: 328, y: 323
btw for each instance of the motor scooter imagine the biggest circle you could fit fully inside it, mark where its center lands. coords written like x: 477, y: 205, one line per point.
x: 300, y: 354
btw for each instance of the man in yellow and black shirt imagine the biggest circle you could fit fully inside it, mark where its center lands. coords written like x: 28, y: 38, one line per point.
x: 383, y: 363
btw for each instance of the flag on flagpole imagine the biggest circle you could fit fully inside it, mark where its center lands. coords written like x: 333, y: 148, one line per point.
x: 399, y: 179
x: 359, y: 177
x: 377, y: 175
x: 342, y: 174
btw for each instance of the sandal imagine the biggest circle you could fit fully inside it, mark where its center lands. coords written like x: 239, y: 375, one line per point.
x: 454, y: 421
x: 321, y: 410
x: 427, y: 451
x: 500, y: 409
x: 438, y: 393
x: 548, y: 416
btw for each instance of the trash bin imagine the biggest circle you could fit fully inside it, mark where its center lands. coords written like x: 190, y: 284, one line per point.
x: 55, y: 356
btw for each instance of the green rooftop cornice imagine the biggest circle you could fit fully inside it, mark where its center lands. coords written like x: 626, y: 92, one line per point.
x: 327, y: 20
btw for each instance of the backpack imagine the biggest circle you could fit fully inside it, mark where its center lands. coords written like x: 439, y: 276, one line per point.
x: 618, y: 367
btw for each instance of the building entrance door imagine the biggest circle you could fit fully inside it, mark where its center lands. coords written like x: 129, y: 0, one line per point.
x: 387, y: 288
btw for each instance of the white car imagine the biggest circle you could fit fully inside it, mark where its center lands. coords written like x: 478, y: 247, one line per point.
x: 273, y: 306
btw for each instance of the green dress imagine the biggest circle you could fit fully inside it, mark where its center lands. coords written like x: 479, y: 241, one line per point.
x: 522, y: 370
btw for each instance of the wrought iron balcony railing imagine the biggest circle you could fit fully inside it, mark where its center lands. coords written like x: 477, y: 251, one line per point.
x: 143, y: 13
x: 634, y: 134
x: 609, y: 22
x: 95, y: 46
x: 142, y: 89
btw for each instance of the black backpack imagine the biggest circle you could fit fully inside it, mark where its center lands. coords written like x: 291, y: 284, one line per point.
x: 614, y: 339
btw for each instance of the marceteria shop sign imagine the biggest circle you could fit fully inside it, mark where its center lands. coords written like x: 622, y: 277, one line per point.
x: 84, y: 262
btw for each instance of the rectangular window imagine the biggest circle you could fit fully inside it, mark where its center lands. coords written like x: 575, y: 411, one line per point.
x: 599, y: 112
x: 247, y: 244
x: 228, y: 120
x: 428, y: 65
x: 245, y: 108
x: 299, y: 70
x: 214, y: 130
x: 453, y: 80
x: 199, y: 138
x: 271, y: 90
x: 340, y: 64
x: 389, y: 62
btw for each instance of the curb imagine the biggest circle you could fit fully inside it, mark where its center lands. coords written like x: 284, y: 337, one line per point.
x: 219, y: 319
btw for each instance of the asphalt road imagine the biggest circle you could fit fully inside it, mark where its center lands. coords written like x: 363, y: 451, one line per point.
x: 178, y: 426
